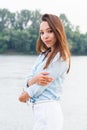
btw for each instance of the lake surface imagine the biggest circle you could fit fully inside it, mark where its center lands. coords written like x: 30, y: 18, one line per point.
x: 18, y: 116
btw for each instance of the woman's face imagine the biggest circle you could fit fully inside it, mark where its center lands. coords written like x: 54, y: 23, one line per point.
x: 47, y: 34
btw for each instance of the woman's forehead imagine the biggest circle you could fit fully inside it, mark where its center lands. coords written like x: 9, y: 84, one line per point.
x: 44, y: 25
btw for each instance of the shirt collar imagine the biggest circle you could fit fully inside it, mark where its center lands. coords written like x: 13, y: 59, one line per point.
x: 57, y: 56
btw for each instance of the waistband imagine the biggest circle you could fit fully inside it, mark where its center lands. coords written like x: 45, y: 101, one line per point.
x: 44, y: 101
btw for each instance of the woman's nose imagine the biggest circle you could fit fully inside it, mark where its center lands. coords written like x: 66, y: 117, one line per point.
x: 45, y: 35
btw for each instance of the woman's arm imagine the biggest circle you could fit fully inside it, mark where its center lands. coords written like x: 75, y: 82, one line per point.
x: 56, y: 70
x: 41, y: 79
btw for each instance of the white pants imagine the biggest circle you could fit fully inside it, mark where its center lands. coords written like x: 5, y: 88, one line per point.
x: 47, y: 116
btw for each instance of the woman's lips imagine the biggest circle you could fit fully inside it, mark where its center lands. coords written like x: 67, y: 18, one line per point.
x: 47, y: 42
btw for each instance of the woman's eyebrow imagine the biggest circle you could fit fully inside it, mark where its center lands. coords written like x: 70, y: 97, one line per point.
x: 46, y: 29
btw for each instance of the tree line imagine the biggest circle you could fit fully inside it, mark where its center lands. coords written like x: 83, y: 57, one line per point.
x: 20, y: 30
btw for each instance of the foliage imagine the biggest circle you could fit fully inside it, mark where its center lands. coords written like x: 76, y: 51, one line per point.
x: 20, y: 30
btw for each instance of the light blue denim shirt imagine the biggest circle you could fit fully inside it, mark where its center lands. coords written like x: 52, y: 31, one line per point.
x: 57, y: 69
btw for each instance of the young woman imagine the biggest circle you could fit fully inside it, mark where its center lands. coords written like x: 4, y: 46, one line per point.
x: 44, y: 84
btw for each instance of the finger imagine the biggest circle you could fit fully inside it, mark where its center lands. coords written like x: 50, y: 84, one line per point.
x: 43, y: 83
x: 43, y: 80
x: 48, y: 79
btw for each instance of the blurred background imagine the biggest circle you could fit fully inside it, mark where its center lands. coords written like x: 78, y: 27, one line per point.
x: 19, y: 24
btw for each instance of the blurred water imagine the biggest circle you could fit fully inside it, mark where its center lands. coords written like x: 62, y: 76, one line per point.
x: 17, y: 116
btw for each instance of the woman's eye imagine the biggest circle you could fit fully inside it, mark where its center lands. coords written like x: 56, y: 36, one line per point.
x: 41, y: 33
x: 50, y: 31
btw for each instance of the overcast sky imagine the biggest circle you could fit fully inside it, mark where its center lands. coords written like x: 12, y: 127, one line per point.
x: 75, y: 10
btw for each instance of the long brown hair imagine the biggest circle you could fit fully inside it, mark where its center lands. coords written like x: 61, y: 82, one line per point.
x: 61, y: 44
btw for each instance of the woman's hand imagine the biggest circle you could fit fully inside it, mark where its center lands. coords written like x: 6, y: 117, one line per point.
x: 24, y: 97
x: 43, y: 79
